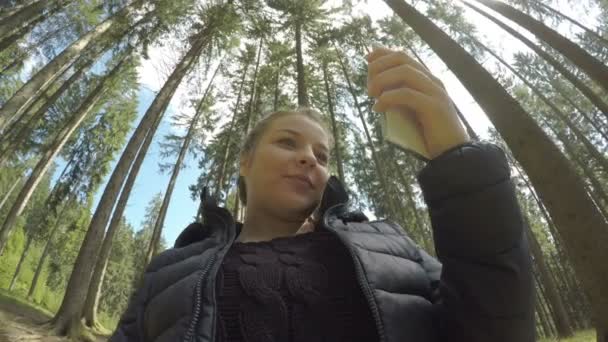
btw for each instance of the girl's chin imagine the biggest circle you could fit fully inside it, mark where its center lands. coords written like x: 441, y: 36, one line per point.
x: 296, y: 202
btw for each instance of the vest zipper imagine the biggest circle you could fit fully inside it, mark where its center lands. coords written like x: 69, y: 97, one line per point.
x: 189, y: 337
x: 363, y: 284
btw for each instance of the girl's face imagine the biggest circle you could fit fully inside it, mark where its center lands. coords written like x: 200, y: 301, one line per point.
x: 287, y: 171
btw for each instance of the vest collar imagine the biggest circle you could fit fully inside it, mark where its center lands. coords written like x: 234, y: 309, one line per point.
x: 218, y: 220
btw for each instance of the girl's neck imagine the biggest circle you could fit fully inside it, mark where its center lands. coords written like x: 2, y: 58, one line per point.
x: 263, y: 226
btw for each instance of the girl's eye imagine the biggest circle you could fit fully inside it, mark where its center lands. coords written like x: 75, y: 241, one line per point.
x: 287, y: 142
x: 322, y: 157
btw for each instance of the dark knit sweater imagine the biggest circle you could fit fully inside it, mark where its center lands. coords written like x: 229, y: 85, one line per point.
x: 299, y: 288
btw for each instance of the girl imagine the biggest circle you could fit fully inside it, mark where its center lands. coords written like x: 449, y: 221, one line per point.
x: 302, y: 266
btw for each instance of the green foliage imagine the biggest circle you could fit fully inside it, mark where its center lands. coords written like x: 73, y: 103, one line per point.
x: 581, y: 336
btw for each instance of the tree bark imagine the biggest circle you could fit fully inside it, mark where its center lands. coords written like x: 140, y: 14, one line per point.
x: 68, y: 316
x: 46, y: 250
x: 222, y: 170
x: 51, y: 151
x: 594, y: 68
x: 562, y: 323
x: 392, y: 208
x: 10, y: 39
x: 92, y: 300
x: 27, y: 14
x: 301, y: 77
x: 15, y: 136
x: 597, y: 155
x: 6, y: 11
x: 584, y: 230
x: 15, y: 106
x: 9, y: 192
x: 254, y: 83
x: 580, y: 85
x: 26, y: 249
x: 334, y: 124
x: 587, y: 30
x: 160, y: 219
x: 276, y: 88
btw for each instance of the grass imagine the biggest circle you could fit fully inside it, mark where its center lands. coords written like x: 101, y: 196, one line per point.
x: 580, y: 336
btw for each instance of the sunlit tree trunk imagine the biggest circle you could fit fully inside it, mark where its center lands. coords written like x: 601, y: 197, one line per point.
x: 15, y: 136
x: 68, y: 316
x: 93, y: 293
x: 22, y: 17
x: 15, y: 106
x: 160, y: 219
x: 7, y: 195
x: 20, y: 33
x: 581, y: 224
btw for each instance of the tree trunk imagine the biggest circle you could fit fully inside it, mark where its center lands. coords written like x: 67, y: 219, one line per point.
x: 68, y: 315
x: 543, y: 305
x: 51, y: 151
x: 594, y: 68
x: 27, y: 51
x: 46, y: 250
x: 27, y: 14
x: 596, y: 186
x: 334, y: 124
x: 16, y: 105
x: 584, y: 230
x: 9, y: 192
x: 587, y: 30
x: 222, y: 170
x: 276, y: 89
x: 427, y: 240
x: 585, y: 116
x: 15, y: 36
x: 15, y: 136
x: 254, y: 83
x: 6, y: 11
x: 562, y: 323
x: 381, y: 176
x: 597, y: 155
x: 301, y: 77
x: 92, y: 300
x: 160, y: 219
x: 580, y: 85
x: 28, y: 244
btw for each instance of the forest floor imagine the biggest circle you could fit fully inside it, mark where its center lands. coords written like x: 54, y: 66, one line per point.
x: 21, y: 321
x: 580, y: 336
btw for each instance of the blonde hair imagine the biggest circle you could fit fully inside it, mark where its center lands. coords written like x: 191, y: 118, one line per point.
x: 253, y: 137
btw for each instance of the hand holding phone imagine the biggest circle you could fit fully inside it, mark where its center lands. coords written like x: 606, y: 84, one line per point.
x: 419, y: 114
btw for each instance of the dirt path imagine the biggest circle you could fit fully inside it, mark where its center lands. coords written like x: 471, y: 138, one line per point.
x: 18, y: 322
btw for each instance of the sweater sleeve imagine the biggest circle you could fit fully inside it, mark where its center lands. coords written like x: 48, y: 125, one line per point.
x: 484, y: 291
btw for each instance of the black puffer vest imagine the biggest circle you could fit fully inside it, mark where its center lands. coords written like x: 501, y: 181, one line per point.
x: 483, y: 293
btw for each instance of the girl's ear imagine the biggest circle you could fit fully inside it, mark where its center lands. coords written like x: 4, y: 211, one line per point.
x: 244, y: 165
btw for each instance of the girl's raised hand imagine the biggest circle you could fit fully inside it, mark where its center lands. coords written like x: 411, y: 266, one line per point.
x: 400, y: 83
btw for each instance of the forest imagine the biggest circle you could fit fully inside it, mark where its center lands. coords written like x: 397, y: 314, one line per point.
x: 79, y: 114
